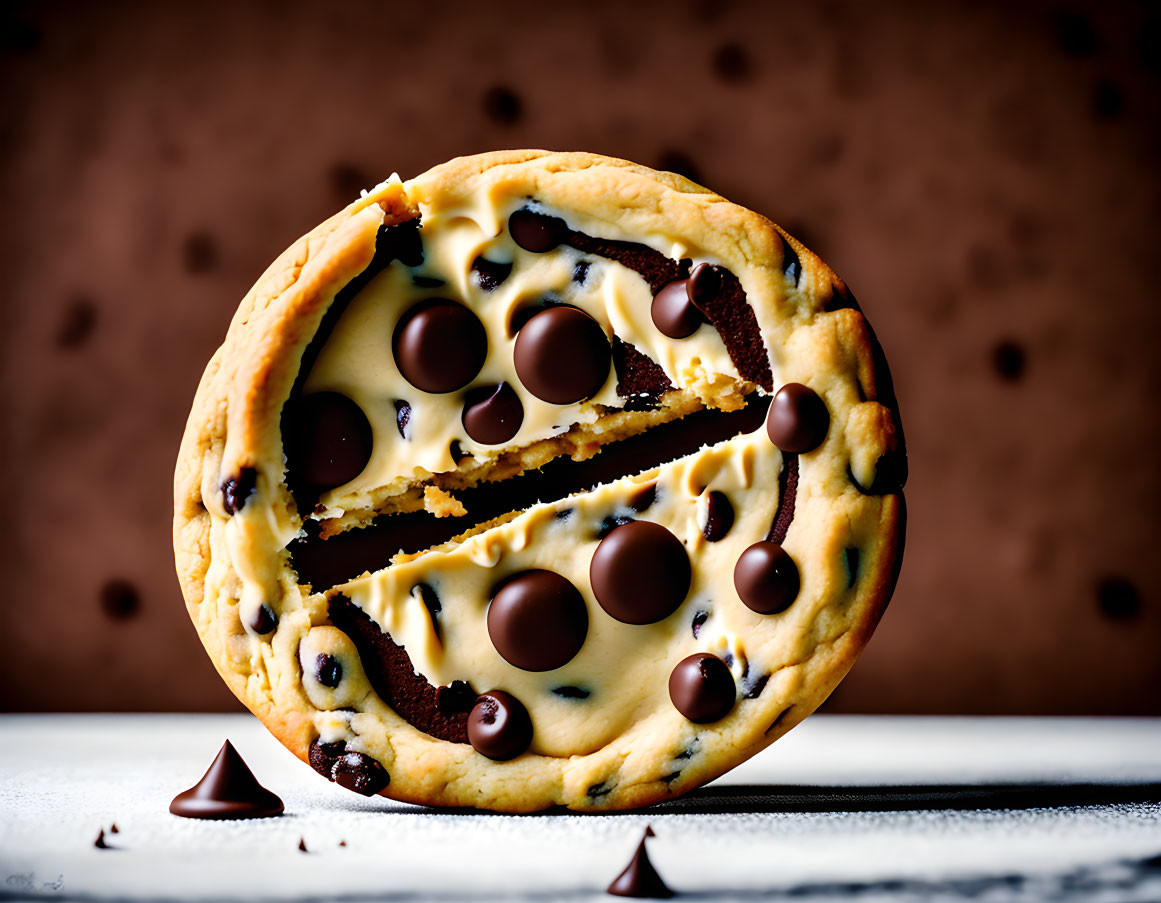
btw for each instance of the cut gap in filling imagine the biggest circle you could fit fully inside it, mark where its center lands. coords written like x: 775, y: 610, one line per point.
x: 327, y: 562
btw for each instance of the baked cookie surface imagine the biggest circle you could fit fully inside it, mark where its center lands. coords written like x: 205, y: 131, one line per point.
x: 540, y: 479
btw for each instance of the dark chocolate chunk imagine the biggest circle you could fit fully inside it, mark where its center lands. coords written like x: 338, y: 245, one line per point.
x: 639, y: 878
x: 580, y: 272
x: 639, y: 378
x: 459, y: 456
x: 439, y: 345
x: 753, y: 687
x: 787, y: 496
x: 327, y: 440
x: 673, y: 311
x: 302, y: 845
x: 719, y: 516
x: 643, y: 498
x: 342, y: 843
x: 670, y: 777
x: 120, y: 599
x: 227, y: 790
x: 791, y: 265
x: 399, y: 241
x: 328, y: 671
x: 596, y: 791
x: 458, y: 696
x: 264, y: 620
x: 499, y: 726
x: 640, y: 573
x: 702, y: 688
x: 100, y: 843
x: 798, y: 420
x: 113, y: 829
x: 402, y: 416
x: 704, y: 285
x: 236, y: 490
x: 493, y: 414
x: 392, y: 676
x: 431, y: 602
x: 562, y: 355
x: 571, y: 692
x: 766, y: 578
x: 537, y: 620
x: 564, y: 513
x: 610, y: 523
x: 360, y: 773
x: 699, y: 618
x: 536, y: 232
x: 488, y: 274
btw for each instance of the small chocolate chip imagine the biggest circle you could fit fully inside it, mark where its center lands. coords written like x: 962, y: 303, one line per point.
x: 791, y: 265
x: 302, y: 845
x: 327, y: 439
x: 236, y: 490
x: 851, y: 557
x: 702, y: 688
x: 564, y: 513
x: 492, y: 414
x: 673, y: 313
x: 643, y: 498
x: 719, y: 517
x: 536, y: 232
x: 402, y: 417
x: 580, y: 272
x: 120, y: 599
x: 766, y: 578
x: 457, y: 452
x: 1008, y: 360
x: 113, y: 829
x: 798, y: 420
x: 439, y: 346
x: 562, y: 355
x: 596, y: 791
x: 699, y: 618
x: 77, y: 324
x: 100, y: 843
x: 731, y: 63
x: 360, y: 773
x: 427, y: 281
x: 264, y: 621
x: 431, y: 602
x: 610, y: 523
x: 1118, y: 598
x: 199, y: 253
x: 328, y: 671
x: 640, y: 573
x: 753, y: 687
x: 502, y: 105
x: 488, y: 274
x: 537, y: 620
x: 499, y: 726
x: 400, y: 242
x: 571, y: 692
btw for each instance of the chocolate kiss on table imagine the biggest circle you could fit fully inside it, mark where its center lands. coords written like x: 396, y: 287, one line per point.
x: 640, y: 878
x: 227, y: 790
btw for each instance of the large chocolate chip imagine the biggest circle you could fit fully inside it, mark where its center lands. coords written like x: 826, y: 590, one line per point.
x: 360, y: 773
x: 228, y: 789
x: 536, y: 232
x: 719, y: 516
x: 798, y: 420
x: 439, y: 346
x: 327, y: 440
x: 538, y: 621
x: 488, y: 274
x: 766, y: 578
x: 328, y: 671
x: 673, y: 312
x: 499, y: 726
x: 640, y: 573
x: 562, y: 355
x: 705, y: 284
x: 492, y: 415
x: 236, y: 490
x: 264, y: 620
x: 702, y: 688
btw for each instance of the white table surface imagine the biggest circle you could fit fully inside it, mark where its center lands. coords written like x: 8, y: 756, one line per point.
x: 862, y: 808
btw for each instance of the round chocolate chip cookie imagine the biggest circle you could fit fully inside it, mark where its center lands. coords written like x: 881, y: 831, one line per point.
x: 540, y: 479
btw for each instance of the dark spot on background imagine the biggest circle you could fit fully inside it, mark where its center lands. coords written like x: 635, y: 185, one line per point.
x: 1107, y: 101
x: 502, y: 105
x: 347, y: 180
x: 1118, y: 598
x: 680, y: 163
x: 199, y: 253
x: 1025, y: 228
x: 1149, y: 43
x: 1009, y: 360
x: 828, y: 149
x: 983, y: 265
x: 120, y: 599
x: 731, y: 63
x: 19, y: 37
x: 1074, y: 34
x: 77, y: 323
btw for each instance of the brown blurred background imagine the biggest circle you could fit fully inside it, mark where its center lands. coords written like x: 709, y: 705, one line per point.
x: 985, y: 176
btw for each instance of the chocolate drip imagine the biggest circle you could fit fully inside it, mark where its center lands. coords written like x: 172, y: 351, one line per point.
x: 441, y: 712
x: 327, y: 563
x: 787, y: 492
x: 640, y: 878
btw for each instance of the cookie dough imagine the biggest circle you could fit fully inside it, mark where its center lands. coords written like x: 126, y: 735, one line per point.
x: 540, y: 479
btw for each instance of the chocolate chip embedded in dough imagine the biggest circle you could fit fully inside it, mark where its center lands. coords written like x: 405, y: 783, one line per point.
x: 766, y: 578
x: 536, y: 232
x: 492, y: 415
x: 673, y: 312
x: 702, y: 688
x: 402, y: 416
x: 580, y: 272
x: 499, y: 726
x: 791, y: 265
x: 360, y: 773
x: 488, y: 274
x: 704, y: 286
x: 719, y: 516
x: 610, y: 523
x: 264, y: 620
x: 699, y: 618
x: 571, y: 692
x: 538, y: 621
x: 328, y: 671
x: 327, y: 440
x: 640, y: 573
x: 228, y: 789
x: 562, y: 355
x: 237, y: 489
x: 798, y: 420
x: 430, y: 600
x: 643, y: 498
x: 439, y: 345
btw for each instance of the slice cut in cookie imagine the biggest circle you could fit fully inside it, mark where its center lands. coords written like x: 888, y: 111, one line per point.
x: 541, y: 479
